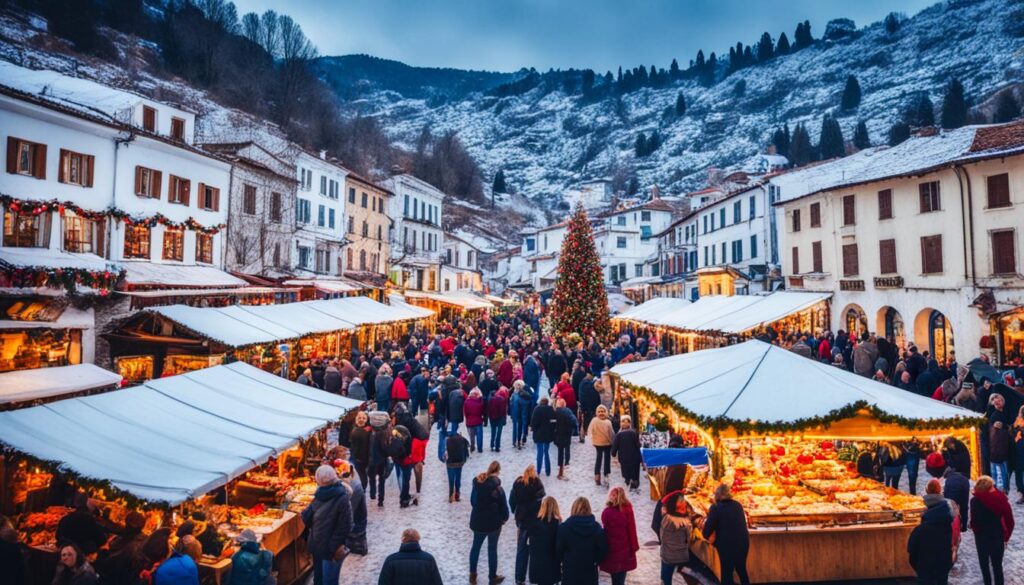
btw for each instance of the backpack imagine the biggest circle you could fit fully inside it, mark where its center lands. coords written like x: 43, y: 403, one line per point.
x: 399, y: 443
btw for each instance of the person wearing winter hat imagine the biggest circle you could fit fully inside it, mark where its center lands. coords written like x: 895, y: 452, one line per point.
x: 674, y: 534
x: 252, y: 564
x: 176, y: 569
x: 930, y: 545
x: 935, y: 464
x: 992, y: 523
x: 329, y: 520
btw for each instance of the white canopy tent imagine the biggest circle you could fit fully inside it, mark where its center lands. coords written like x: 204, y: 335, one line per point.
x: 43, y: 383
x: 175, y: 438
x: 653, y: 309
x: 756, y: 381
x: 464, y: 300
x: 727, y: 314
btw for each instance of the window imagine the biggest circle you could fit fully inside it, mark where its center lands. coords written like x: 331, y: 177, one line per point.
x: 753, y: 207
x: 178, y: 129
x: 796, y: 260
x: 249, y: 200
x: 931, y: 254
x: 851, y: 261
x: 275, y: 207
x: 366, y: 229
x: 753, y: 247
x: 737, y: 209
x: 83, y: 235
x: 714, y: 255
x: 148, y: 119
x: 645, y: 232
x: 796, y: 220
x: 303, y: 211
x: 737, y: 251
x: 645, y: 216
x: 174, y: 244
x: 26, y: 230
x: 304, y: 257
x: 307, y: 179
x: 405, y: 208
x: 638, y: 270
x: 929, y: 196
x: 705, y: 224
x: 620, y: 242
x: 26, y: 158
x: 380, y: 233
x: 815, y: 215
x: 321, y: 216
x: 363, y: 200
x: 75, y: 168
x: 1004, y: 254
x: 362, y: 259
x: 330, y: 218
x: 816, y: 257
x: 724, y: 260
x: 204, y: 248
x: 136, y: 241
x: 721, y: 217
x: 148, y: 182
x: 323, y: 184
x: 334, y: 190
x: 887, y: 256
x: 705, y: 256
x: 998, y: 190
x: 209, y: 197
x: 621, y: 220
x: 849, y: 210
x: 277, y: 253
x: 885, y: 204
x: 712, y: 222
x: 323, y: 261
x: 178, y: 190
x: 351, y: 194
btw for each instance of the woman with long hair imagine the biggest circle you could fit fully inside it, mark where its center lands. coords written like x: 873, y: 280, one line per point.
x: 525, y: 500
x: 674, y: 533
x: 620, y: 528
x: 601, y: 437
x: 581, y: 545
x: 992, y: 524
x: 73, y: 568
x: 542, y: 536
x: 490, y: 512
x: 626, y: 448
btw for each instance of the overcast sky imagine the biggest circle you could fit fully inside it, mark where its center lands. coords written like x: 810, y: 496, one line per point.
x: 506, y: 35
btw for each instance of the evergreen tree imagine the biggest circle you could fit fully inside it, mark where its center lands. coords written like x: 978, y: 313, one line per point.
x: 580, y: 303
x: 921, y: 112
x: 803, y: 37
x: 699, y: 64
x: 898, y: 132
x: 680, y: 104
x: 765, y: 48
x: 780, y: 140
x: 499, y: 185
x: 860, y: 136
x: 831, y: 143
x: 609, y: 79
x: 708, y: 77
x: 654, y: 142
x: 851, y: 93
x: 748, y: 55
x: 640, y: 146
x: 739, y: 89
x: 1007, y: 108
x: 620, y: 74
x: 673, y: 70
x: 588, y: 81
x: 782, y: 48
x: 954, y: 105
x: 892, y: 23
x: 633, y: 187
x: 800, y: 150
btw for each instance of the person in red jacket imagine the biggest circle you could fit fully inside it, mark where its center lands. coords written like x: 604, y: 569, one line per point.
x: 506, y: 372
x: 473, y: 411
x: 497, y: 415
x: 824, y: 349
x: 417, y: 455
x: 448, y: 346
x: 400, y: 389
x: 620, y: 528
x: 992, y: 524
x: 563, y: 389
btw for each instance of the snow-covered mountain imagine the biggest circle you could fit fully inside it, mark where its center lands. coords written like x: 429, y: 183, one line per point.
x: 547, y: 140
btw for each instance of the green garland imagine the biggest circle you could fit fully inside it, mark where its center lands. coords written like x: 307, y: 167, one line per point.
x: 69, y: 279
x: 716, y: 425
x: 36, y: 207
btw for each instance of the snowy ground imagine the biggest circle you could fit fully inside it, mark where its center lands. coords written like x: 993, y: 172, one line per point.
x: 446, y: 534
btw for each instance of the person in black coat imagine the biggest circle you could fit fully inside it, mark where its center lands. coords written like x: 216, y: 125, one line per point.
x: 957, y: 487
x: 542, y: 540
x: 525, y: 501
x: 930, y: 545
x: 411, y: 564
x: 956, y: 455
x: 81, y: 528
x: 489, y: 514
x: 328, y: 518
x: 626, y: 447
x: 727, y: 524
x: 581, y: 545
x: 589, y: 400
x: 565, y: 426
x: 555, y: 367
x: 543, y: 424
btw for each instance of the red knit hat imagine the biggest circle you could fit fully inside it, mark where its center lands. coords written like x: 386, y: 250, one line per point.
x: 935, y: 460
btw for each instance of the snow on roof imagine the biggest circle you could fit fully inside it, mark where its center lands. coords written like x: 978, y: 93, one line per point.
x: 70, y: 318
x: 762, y: 382
x: 83, y: 95
x: 176, y: 438
x: 618, y: 302
x: 639, y: 281
x: 653, y: 308
x: 146, y: 273
x: 727, y: 314
x: 464, y: 300
x: 366, y: 311
x: 485, y: 245
x: 26, y: 385
x: 819, y: 177
x: 45, y: 257
x: 325, y: 285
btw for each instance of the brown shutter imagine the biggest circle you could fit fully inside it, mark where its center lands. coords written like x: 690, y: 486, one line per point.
x: 796, y: 260
x: 158, y: 184
x: 796, y: 220
x: 931, y: 254
x: 90, y: 165
x: 101, y: 237
x: 216, y: 199
x: 138, y: 180
x: 187, y: 187
x: 999, y: 190
x: 816, y: 256
x: 849, y: 210
x: 12, y: 154
x: 62, y: 162
x: 39, y: 164
x: 887, y: 256
x: 851, y: 263
x: 1004, y: 257
x: 815, y: 214
x: 201, y: 196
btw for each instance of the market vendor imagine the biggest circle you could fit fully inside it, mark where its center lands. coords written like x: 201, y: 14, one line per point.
x: 81, y: 527
x: 204, y: 532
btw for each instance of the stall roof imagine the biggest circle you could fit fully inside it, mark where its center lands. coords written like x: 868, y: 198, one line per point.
x: 156, y: 273
x: 463, y: 300
x: 26, y: 385
x: 28, y: 257
x: 175, y: 438
x: 366, y: 311
x: 328, y: 286
x: 727, y: 314
x: 202, y: 292
x: 756, y: 381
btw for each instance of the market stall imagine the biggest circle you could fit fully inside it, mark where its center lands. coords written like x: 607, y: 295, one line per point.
x: 790, y: 435
x: 450, y: 304
x: 716, y: 321
x: 33, y: 387
x: 229, y: 447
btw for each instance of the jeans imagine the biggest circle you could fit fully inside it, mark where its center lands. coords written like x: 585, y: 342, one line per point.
x: 331, y: 571
x: 476, y: 435
x: 619, y: 578
x: 496, y: 430
x: 730, y: 564
x: 944, y: 580
x: 1001, y: 476
x: 913, y: 464
x: 492, y: 552
x: 604, y: 453
x: 406, y: 475
x: 990, y: 552
x: 524, y: 428
x: 892, y: 475
x: 446, y: 430
x: 517, y: 426
x: 543, y: 457
x: 522, y: 556
x: 667, y: 571
x: 377, y: 478
x: 563, y: 453
x: 454, y: 480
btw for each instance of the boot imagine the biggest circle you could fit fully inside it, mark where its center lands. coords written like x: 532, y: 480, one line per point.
x: 451, y: 498
x: 607, y: 482
x: 472, y: 578
x: 457, y: 498
x: 597, y: 480
x: 495, y: 580
x: 561, y: 472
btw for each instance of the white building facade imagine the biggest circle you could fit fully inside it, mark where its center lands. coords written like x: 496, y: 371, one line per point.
x: 625, y: 239
x: 735, y: 232
x: 416, y: 236
x: 460, y: 267
x: 319, y: 216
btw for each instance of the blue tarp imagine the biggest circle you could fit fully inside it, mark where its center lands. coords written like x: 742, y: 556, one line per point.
x: 665, y: 457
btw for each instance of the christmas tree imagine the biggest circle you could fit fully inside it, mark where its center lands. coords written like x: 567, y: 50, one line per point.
x: 580, y: 301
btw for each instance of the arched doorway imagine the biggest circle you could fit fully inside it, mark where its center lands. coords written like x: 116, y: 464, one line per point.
x: 855, y: 321
x: 889, y: 323
x: 932, y: 330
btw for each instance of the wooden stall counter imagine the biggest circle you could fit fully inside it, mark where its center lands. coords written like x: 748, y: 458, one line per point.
x: 808, y: 553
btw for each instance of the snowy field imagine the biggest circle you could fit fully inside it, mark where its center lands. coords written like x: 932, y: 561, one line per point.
x: 445, y: 527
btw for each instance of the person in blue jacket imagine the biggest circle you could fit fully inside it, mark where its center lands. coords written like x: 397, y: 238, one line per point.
x: 521, y: 409
x: 531, y: 371
x: 419, y: 388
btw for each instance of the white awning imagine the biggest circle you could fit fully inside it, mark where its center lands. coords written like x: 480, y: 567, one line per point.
x: 762, y: 382
x: 727, y: 314
x: 44, y: 257
x: 175, y: 438
x: 366, y: 311
x: 327, y: 286
x: 70, y: 318
x: 203, y: 292
x: 26, y: 385
x: 463, y: 300
x: 653, y: 309
x: 155, y: 273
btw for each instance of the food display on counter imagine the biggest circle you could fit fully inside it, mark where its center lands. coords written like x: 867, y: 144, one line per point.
x: 232, y: 520
x: 40, y: 528
x: 301, y: 495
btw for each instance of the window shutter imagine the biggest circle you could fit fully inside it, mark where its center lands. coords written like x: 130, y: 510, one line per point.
x: 887, y: 256
x: 1004, y: 260
x: 885, y: 204
x: 158, y: 183
x: 187, y: 187
x: 816, y: 256
x: 12, y: 154
x: 90, y: 166
x: 39, y: 164
x: 815, y: 214
x: 851, y: 263
x: 216, y: 199
x: 931, y: 254
x: 849, y: 210
x: 796, y: 260
x: 138, y: 180
x: 101, y: 237
x: 201, y: 196
x: 62, y: 164
x: 999, y: 190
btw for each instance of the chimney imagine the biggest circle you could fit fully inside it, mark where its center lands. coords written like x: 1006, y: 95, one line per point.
x: 323, y: 155
x: 655, y: 193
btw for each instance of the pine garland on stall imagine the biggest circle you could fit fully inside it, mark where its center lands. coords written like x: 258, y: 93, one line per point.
x: 580, y: 303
